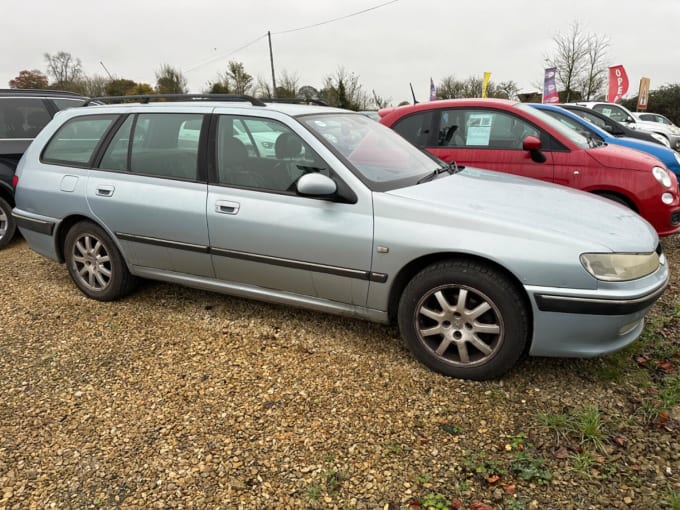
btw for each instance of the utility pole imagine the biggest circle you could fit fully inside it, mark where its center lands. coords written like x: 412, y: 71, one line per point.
x: 271, y: 59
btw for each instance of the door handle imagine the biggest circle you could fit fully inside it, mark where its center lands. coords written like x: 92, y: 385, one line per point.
x: 104, y: 190
x: 227, y: 207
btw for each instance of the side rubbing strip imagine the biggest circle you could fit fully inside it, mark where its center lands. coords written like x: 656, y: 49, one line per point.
x: 162, y: 242
x: 264, y: 259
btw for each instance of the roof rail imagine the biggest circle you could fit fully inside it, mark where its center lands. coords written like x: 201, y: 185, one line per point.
x: 146, y: 98
x: 294, y: 100
x: 40, y: 92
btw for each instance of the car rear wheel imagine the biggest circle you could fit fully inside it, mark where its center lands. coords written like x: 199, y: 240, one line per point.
x: 464, y: 319
x: 7, y: 224
x: 95, y: 264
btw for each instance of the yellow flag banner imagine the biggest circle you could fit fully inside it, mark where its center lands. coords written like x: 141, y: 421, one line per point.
x: 485, y: 83
x: 643, y: 95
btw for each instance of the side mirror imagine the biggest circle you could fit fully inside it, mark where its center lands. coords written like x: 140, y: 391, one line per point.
x: 316, y: 185
x: 533, y: 145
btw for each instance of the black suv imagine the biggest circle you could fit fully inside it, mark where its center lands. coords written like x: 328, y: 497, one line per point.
x: 23, y: 113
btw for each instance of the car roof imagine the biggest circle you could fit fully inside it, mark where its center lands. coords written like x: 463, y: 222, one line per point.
x: 40, y: 93
x: 210, y: 101
x: 399, y: 111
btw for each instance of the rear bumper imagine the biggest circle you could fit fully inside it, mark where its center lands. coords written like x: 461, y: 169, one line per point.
x: 39, y: 232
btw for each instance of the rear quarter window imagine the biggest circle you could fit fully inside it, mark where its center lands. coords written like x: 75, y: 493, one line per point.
x: 76, y: 141
x: 22, y: 117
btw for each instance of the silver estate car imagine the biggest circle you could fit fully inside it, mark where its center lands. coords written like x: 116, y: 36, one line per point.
x: 476, y: 267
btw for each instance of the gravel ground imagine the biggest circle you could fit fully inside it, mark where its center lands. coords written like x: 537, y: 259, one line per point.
x: 176, y: 398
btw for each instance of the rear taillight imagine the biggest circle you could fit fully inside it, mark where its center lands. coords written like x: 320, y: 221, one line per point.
x: 15, y: 181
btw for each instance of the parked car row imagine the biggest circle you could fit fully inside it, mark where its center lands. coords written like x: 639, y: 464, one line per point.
x: 660, y: 127
x: 521, y: 139
x: 476, y: 267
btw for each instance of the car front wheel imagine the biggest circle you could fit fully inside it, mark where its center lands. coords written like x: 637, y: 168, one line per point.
x: 7, y: 224
x: 464, y: 319
x: 95, y: 264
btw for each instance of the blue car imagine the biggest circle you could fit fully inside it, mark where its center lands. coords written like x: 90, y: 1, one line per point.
x: 596, y: 135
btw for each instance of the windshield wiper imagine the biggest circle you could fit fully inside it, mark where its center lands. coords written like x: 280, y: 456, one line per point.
x: 451, y: 168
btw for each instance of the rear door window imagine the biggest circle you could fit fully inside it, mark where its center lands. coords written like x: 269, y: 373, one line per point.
x: 159, y: 144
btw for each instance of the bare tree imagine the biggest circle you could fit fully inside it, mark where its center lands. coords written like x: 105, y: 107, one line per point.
x: 63, y: 68
x: 579, y: 60
x: 344, y: 91
x: 287, y: 85
x: 263, y: 87
x: 504, y: 90
x: 450, y: 88
x: 595, y: 78
x: 96, y: 85
x: 170, y: 81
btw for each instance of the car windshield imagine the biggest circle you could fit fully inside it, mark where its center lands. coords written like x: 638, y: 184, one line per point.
x: 565, y: 131
x: 381, y: 157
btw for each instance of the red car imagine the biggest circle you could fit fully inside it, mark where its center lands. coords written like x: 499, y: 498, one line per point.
x: 515, y: 138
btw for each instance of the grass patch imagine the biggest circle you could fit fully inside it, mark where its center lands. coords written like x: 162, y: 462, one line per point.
x: 586, y: 425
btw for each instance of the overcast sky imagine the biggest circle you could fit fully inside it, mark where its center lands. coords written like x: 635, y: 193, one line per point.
x: 402, y: 42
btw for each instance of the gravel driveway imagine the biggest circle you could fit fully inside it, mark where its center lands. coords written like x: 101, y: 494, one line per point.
x: 176, y: 398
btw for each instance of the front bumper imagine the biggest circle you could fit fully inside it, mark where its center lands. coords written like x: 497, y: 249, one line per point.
x: 578, y: 323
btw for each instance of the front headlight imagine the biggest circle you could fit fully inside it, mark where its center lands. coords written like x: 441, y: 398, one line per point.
x: 619, y: 267
x: 661, y: 175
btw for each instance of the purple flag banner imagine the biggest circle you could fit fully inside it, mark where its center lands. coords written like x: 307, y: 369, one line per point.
x: 433, y: 91
x: 550, y: 87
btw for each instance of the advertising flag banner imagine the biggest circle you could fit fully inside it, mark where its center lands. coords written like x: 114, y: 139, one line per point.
x: 485, y: 83
x: 643, y: 94
x: 550, y: 87
x: 433, y: 91
x: 618, y: 84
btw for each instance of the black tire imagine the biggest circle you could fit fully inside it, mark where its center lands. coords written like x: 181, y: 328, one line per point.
x: 616, y: 198
x: 95, y: 264
x: 443, y: 325
x: 7, y: 224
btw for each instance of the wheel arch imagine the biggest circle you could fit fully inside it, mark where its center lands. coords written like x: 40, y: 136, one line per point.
x: 67, y: 223
x: 616, y: 196
x: 7, y: 193
x: 412, y: 268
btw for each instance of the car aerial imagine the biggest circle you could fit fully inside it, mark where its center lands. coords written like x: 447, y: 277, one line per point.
x: 512, y: 137
x: 623, y: 115
x: 476, y: 267
x: 23, y: 113
x: 613, y: 127
x: 597, y: 136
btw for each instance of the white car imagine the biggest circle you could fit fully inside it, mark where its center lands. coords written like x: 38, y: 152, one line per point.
x: 668, y: 134
x: 655, y: 117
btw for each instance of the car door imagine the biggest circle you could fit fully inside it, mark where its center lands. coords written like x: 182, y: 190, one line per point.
x: 147, y: 189
x: 262, y: 233
x: 479, y: 137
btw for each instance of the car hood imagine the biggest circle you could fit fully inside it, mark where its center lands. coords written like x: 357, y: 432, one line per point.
x: 529, y: 209
x: 657, y: 126
x: 617, y: 156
